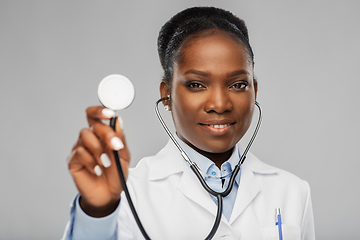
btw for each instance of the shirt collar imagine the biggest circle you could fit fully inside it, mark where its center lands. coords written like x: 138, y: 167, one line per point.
x: 207, y: 166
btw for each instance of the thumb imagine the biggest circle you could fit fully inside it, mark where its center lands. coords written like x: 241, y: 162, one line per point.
x: 119, y: 125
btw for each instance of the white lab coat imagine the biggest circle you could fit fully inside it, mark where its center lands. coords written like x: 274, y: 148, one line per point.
x: 172, y: 204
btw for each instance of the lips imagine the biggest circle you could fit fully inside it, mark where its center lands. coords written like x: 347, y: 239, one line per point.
x: 218, y: 127
x: 218, y: 123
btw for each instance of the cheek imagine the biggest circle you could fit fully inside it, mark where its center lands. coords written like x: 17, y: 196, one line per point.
x: 183, y: 109
x: 245, y: 110
x: 249, y: 115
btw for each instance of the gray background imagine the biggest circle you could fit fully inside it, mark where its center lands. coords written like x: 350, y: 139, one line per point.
x: 54, y: 53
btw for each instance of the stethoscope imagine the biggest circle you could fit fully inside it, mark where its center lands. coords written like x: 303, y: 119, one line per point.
x: 116, y: 92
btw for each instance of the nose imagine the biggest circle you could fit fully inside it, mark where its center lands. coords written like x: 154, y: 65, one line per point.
x: 218, y: 101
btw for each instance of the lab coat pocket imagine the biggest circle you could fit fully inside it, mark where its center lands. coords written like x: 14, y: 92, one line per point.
x: 289, y: 232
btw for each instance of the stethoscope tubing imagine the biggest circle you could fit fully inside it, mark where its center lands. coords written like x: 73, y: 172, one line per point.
x: 194, y: 168
x: 125, y: 188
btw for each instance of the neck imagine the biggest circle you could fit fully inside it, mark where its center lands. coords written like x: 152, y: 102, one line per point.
x: 217, y: 158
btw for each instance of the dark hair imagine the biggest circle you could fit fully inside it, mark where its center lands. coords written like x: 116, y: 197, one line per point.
x: 193, y: 21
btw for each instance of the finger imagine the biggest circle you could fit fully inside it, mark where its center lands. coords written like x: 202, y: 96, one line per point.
x: 108, y: 158
x: 96, y: 114
x: 95, y: 142
x: 107, y: 136
x: 125, y: 153
x: 119, y: 125
x: 80, y: 159
x: 112, y: 171
x: 91, y: 143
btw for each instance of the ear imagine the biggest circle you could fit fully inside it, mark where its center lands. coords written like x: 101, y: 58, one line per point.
x: 165, y: 91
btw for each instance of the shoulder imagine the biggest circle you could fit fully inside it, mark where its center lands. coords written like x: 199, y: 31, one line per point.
x: 278, y: 188
x: 166, y: 162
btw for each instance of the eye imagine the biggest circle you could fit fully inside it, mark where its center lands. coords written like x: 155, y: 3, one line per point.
x: 239, y: 85
x: 195, y: 85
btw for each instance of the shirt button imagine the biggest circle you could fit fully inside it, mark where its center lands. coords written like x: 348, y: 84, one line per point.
x: 213, y: 173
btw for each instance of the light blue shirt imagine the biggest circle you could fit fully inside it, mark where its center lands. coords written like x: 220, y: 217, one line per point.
x: 83, y: 226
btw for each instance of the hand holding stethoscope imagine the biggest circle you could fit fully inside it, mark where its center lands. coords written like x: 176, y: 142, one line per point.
x: 92, y: 164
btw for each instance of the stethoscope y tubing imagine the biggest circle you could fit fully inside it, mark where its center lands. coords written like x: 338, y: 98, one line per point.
x: 194, y: 168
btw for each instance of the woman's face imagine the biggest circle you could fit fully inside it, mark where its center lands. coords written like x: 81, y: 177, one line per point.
x: 212, y: 93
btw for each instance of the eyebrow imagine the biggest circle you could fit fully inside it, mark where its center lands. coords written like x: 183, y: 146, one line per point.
x: 239, y: 72
x: 205, y: 74
x: 196, y: 72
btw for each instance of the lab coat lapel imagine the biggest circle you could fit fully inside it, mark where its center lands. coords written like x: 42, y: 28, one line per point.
x: 193, y: 190
x: 168, y: 162
x: 249, y: 188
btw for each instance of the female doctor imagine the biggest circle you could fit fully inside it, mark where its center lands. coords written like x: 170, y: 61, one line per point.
x: 209, y: 79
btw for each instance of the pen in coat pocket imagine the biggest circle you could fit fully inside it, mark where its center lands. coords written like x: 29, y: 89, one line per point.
x: 278, y: 222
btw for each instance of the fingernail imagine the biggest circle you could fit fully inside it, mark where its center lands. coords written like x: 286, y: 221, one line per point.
x: 121, y: 122
x: 108, y: 112
x: 105, y: 160
x: 117, y: 143
x: 97, y: 170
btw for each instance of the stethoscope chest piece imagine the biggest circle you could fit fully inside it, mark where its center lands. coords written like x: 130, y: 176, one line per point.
x: 116, y: 92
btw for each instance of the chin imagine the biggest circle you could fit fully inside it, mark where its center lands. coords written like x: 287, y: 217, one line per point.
x: 216, y: 146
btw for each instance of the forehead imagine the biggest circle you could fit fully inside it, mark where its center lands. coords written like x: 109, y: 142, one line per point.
x: 214, y: 52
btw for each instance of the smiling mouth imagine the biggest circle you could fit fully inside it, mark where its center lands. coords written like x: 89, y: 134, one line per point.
x: 218, y: 126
